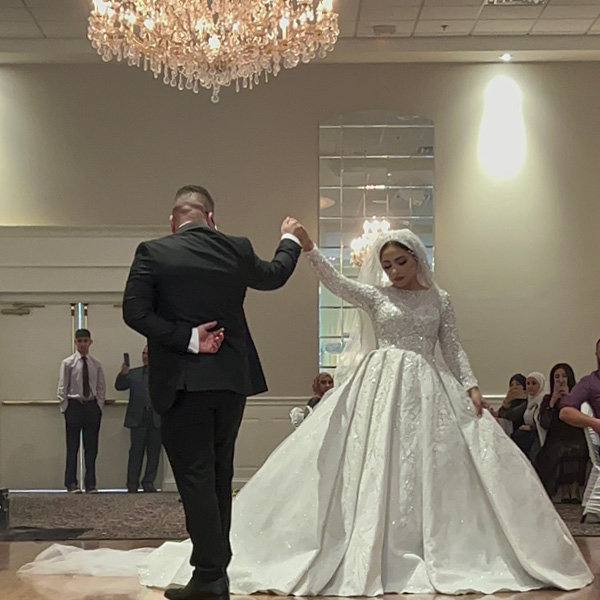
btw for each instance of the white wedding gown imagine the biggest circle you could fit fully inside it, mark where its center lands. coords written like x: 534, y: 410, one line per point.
x: 392, y: 485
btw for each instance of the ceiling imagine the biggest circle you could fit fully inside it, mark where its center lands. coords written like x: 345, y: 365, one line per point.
x: 415, y: 31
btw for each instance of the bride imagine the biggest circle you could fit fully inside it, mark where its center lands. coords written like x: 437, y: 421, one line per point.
x: 399, y: 483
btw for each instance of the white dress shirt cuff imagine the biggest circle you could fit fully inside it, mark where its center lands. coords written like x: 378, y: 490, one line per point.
x: 194, y: 345
x: 291, y: 236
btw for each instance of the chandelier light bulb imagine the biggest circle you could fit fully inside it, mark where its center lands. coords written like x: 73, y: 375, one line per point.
x: 100, y: 6
x: 213, y: 42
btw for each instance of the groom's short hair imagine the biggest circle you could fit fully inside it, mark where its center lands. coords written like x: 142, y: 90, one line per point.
x: 194, y: 196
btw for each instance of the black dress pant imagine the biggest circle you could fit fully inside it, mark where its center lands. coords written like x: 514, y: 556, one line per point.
x: 146, y: 440
x: 199, y: 433
x: 82, y: 417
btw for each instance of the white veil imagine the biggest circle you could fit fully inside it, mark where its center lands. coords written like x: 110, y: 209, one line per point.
x: 362, y: 337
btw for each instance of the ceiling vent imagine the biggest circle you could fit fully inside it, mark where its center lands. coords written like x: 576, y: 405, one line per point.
x: 384, y: 30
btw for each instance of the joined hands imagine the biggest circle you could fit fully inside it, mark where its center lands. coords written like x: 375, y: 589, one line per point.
x: 295, y: 228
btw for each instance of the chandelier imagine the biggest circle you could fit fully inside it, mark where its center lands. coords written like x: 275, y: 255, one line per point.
x: 212, y: 43
x: 371, y: 231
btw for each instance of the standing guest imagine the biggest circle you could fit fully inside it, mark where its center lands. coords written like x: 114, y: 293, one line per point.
x: 562, y: 461
x: 81, y: 392
x: 322, y: 383
x: 526, y: 434
x: 144, y: 426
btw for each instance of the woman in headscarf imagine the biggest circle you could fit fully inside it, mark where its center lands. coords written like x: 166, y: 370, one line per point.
x: 322, y: 383
x: 513, y: 406
x: 526, y: 436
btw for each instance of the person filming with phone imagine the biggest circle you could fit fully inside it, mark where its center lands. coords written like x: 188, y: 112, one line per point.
x: 562, y: 461
x: 143, y: 423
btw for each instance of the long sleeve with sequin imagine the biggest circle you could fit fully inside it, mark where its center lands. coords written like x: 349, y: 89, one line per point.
x: 452, y: 350
x: 353, y: 292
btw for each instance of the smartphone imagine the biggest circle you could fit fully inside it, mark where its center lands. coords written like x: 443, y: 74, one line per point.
x: 126, y: 358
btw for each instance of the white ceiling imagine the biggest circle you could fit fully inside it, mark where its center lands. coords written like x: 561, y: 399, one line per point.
x: 423, y: 30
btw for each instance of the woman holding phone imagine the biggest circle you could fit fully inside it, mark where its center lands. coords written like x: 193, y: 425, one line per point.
x: 562, y: 461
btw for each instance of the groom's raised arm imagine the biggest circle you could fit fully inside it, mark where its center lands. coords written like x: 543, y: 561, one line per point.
x: 271, y: 275
x: 138, y: 306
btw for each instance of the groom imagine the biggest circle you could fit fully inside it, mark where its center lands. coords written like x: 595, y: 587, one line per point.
x: 199, y: 376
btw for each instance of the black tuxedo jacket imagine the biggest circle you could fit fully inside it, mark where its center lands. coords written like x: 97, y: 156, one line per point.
x: 194, y: 276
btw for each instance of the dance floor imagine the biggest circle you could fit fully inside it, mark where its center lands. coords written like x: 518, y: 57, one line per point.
x: 15, y: 554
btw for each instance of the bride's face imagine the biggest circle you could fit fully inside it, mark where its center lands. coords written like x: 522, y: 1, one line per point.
x: 400, y: 266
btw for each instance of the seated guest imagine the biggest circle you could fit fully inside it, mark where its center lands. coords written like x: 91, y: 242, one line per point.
x: 322, y: 383
x: 586, y: 390
x: 514, y: 405
x: 526, y: 434
x: 562, y: 461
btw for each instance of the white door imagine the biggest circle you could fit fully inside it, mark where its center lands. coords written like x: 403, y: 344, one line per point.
x: 32, y: 436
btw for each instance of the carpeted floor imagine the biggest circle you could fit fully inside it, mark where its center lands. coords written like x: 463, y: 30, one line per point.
x: 101, y: 516
x: 136, y: 517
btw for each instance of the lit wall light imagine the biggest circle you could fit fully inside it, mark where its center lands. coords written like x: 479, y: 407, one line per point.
x: 502, y: 144
x: 506, y: 57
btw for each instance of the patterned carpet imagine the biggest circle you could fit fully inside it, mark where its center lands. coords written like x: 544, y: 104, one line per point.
x: 136, y: 516
x: 101, y: 516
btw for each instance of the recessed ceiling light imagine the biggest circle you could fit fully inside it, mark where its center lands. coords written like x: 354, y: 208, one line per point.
x: 506, y: 57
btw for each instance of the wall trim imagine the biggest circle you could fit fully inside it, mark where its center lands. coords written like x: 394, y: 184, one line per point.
x: 283, y: 401
x: 118, y: 231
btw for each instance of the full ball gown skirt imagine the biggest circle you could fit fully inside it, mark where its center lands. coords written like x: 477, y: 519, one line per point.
x: 393, y: 484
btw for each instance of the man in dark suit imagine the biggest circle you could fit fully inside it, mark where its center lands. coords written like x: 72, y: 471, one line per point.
x: 144, y: 425
x: 193, y: 276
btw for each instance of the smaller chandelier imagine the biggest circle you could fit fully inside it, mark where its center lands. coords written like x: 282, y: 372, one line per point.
x: 209, y: 44
x: 371, y: 231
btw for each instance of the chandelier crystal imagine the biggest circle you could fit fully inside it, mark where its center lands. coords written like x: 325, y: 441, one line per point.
x: 371, y: 231
x: 212, y: 43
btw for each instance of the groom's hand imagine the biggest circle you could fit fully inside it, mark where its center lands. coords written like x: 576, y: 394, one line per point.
x: 210, y: 341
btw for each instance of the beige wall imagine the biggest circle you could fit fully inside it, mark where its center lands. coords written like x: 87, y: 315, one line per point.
x: 103, y: 145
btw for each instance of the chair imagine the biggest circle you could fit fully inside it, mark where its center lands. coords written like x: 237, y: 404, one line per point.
x: 591, y: 495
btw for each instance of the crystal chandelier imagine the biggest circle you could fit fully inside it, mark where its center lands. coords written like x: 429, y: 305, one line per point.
x: 212, y: 43
x: 371, y: 231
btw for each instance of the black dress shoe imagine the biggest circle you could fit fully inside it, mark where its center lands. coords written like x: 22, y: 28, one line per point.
x: 198, y: 590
